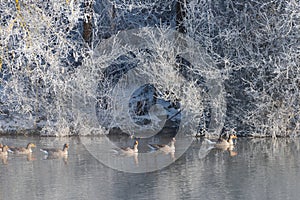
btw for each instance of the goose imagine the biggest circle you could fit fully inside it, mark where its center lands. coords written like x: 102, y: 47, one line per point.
x: 56, y: 152
x: 129, y: 150
x: 164, y: 147
x: 22, y: 150
x: 222, y: 143
x: 4, y: 151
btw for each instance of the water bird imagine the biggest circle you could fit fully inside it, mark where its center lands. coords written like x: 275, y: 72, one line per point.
x: 222, y: 143
x: 129, y: 150
x: 164, y: 147
x: 4, y: 151
x: 52, y: 152
x: 22, y: 150
x: 3, y: 154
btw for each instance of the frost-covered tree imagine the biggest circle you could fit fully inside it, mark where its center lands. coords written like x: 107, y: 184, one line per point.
x: 40, y: 47
x: 47, y: 56
x: 256, y: 45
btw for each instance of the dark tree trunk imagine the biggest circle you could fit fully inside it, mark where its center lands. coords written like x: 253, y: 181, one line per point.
x: 180, y: 14
x: 87, y: 23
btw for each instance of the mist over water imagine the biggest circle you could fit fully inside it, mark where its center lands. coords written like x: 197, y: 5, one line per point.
x: 244, y: 53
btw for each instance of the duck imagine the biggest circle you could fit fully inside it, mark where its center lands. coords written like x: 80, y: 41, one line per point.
x: 164, y: 147
x: 4, y: 151
x: 22, y: 150
x: 222, y: 143
x: 128, y: 150
x: 56, y: 152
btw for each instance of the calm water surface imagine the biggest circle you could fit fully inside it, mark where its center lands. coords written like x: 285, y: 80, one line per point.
x: 258, y: 169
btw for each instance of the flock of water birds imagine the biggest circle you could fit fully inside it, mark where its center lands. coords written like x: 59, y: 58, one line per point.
x: 223, y: 143
x: 5, y: 150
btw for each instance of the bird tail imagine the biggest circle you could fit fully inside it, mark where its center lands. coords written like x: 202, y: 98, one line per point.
x: 42, y: 150
x: 9, y: 151
x: 209, y: 141
x: 115, y: 151
x: 152, y: 147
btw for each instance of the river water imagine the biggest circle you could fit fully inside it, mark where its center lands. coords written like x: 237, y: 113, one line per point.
x: 255, y: 169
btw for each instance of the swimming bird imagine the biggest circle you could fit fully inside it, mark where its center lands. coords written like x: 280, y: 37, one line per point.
x: 222, y: 143
x: 4, y: 151
x: 129, y: 150
x: 164, y: 147
x: 56, y: 152
x: 22, y: 150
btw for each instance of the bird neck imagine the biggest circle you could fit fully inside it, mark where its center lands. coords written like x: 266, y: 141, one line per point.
x: 135, y: 148
x: 172, y: 144
x: 230, y: 141
x: 4, y: 150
